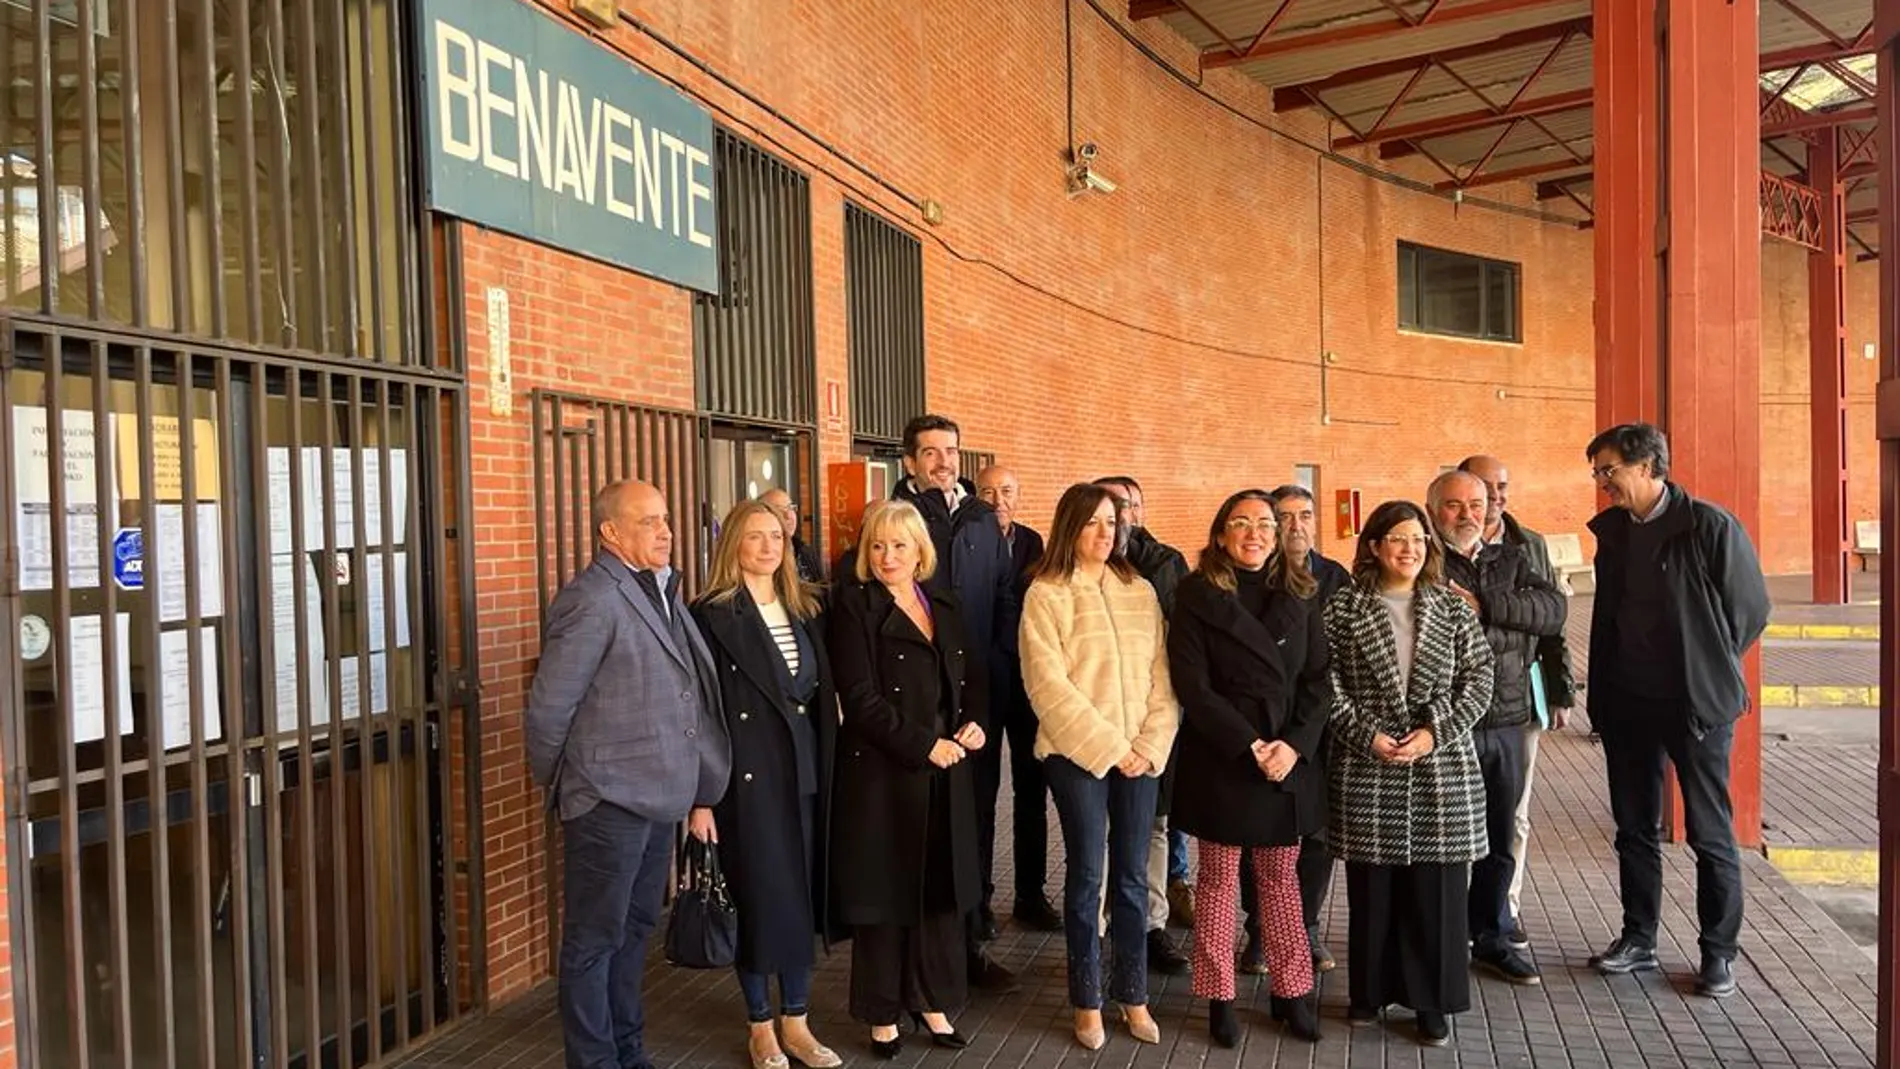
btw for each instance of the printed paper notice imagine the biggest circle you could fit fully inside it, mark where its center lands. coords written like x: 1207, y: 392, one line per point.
x: 351, y: 668
x: 168, y: 468
x: 290, y: 661
x: 174, y: 655
x: 173, y: 563
x: 375, y: 593
x: 85, y: 654
x: 32, y: 459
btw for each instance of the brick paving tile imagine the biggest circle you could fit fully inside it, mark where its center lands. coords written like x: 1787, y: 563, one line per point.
x: 1790, y: 663
x: 1819, y: 793
x: 1792, y: 593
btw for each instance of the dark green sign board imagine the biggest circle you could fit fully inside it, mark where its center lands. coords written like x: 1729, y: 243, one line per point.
x: 537, y: 130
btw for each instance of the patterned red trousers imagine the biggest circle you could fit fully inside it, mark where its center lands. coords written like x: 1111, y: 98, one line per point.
x: 1216, y: 912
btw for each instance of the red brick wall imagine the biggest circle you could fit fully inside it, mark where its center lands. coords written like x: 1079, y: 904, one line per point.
x: 1173, y: 330
x: 1786, y: 486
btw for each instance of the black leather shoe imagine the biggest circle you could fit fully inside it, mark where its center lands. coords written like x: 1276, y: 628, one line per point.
x: 1300, y: 1015
x: 986, y: 924
x: 1716, y: 978
x: 1625, y: 956
x: 1434, y: 1029
x: 1037, y: 914
x: 1163, y: 956
x: 951, y: 1040
x: 1361, y: 1016
x: 1222, y: 1026
x: 1508, y: 964
x: 987, y: 975
x: 888, y: 1048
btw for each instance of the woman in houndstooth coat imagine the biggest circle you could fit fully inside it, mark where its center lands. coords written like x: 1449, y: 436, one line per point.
x: 1411, y: 677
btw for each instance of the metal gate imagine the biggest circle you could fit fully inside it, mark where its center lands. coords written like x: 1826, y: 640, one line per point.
x: 227, y: 770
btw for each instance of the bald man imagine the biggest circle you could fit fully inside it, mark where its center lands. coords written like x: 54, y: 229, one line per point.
x: 811, y: 566
x: 999, y: 488
x: 626, y: 735
x: 1553, y: 660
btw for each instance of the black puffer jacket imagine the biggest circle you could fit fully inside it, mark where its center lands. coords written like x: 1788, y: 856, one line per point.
x: 1161, y: 564
x: 1517, y: 607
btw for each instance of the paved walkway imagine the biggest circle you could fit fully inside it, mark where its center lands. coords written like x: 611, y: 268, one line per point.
x: 1806, y: 996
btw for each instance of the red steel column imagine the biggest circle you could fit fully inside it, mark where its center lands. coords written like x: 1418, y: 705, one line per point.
x: 1887, y: 424
x: 1827, y: 373
x: 1678, y: 265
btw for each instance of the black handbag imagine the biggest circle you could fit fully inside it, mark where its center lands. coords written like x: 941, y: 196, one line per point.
x: 703, y: 930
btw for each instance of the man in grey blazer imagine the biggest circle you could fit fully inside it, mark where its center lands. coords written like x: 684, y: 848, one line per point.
x: 626, y: 734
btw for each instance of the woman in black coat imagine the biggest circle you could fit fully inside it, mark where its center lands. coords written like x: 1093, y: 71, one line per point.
x: 904, y: 864
x: 1247, y: 650
x: 762, y: 624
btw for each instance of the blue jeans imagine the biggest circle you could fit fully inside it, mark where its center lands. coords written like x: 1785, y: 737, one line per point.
x: 1113, y: 815
x: 615, y: 873
x: 794, y: 994
x: 1177, y: 856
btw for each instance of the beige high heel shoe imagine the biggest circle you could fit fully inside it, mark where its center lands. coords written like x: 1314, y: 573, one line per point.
x: 1146, y: 1031
x: 1090, y: 1033
x: 804, y: 1047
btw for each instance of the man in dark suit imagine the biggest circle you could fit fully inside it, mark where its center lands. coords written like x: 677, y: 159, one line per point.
x: 1011, y: 712
x: 625, y: 733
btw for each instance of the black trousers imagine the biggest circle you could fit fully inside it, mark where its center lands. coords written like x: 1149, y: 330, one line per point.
x: 919, y: 968
x: 1029, y: 794
x: 1501, y: 763
x: 1406, y: 937
x: 1637, y: 737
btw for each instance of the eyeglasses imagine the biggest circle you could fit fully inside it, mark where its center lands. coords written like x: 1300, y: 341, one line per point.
x: 1404, y: 541
x: 1241, y: 525
x: 1605, y: 471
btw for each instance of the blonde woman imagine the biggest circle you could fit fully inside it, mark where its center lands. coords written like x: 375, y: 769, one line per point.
x: 761, y: 623
x: 905, y: 866
x: 1096, y: 670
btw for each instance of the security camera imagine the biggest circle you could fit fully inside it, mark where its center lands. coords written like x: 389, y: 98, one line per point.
x: 1086, y: 152
x: 1083, y: 178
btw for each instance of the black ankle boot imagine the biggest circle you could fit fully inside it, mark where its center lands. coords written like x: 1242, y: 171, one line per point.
x: 1222, y: 1026
x: 1300, y: 1015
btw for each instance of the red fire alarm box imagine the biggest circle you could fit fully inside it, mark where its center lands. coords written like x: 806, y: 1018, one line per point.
x: 1348, y: 513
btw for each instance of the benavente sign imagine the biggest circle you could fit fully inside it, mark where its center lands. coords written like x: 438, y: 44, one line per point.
x: 534, y: 129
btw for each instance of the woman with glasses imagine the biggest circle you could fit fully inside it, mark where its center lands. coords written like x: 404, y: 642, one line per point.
x: 1097, y: 676
x: 761, y: 623
x: 1411, y: 677
x: 1247, y: 649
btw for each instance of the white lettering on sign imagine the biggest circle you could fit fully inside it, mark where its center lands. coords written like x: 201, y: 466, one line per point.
x: 494, y: 108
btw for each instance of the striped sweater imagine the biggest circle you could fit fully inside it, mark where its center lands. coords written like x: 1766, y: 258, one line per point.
x: 1095, y: 666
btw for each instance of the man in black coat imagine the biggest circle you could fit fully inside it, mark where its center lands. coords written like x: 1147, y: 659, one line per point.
x: 1517, y: 607
x: 1553, y: 660
x: 1170, y: 896
x: 1011, y: 715
x: 1680, y: 598
x: 1298, y: 518
x: 974, y: 563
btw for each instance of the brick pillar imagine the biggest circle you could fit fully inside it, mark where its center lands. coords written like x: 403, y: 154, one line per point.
x: 1678, y: 264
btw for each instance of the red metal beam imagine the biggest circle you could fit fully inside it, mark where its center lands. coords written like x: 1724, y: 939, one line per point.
x: 1791, y: 211
x: 1827, y: 379
x: 1384, y: 31
x: 1514, y: 174
x: 1292, y: 97
x: 1471, y: 120
x: 1816, y: 120
x: 1863, y: 215
x: 1887, y: 429
x: 1861, y: 45
x: 1557, y: 188
x: 1151, y: 9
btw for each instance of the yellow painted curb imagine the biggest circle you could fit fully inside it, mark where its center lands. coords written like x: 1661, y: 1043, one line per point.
x: 1819, y: 697
x: 1833, y: 867
x: 1835, y: 632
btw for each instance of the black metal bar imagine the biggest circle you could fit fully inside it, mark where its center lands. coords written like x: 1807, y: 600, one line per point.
x: 539, y: 433
x: 10, y: 268
x: 395, y: 600
x: 414, y: 249
x: 71, y: 889
x: 89, y: 161
x: 334, y: 554
x: 372, y: 171
x: 214, y: 179
x: 337, y: 90
x: 557, y: 429
x: 310, y: 112
x: 236, y: 692
x: 49, y: 183
x: 372, y: 829
x: 176, y: 240
x: 131, y: 118
x: 251, y: 259
x: 307, y: 675
x: 423, y: 910
x: 24, y: 941
x: 467, y: 696
x: 119, y: 960
x: 280, y: 163
x: 154, y: 746
x: 263, y: 513
x: 195, y: 653
x: 578, y: 495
